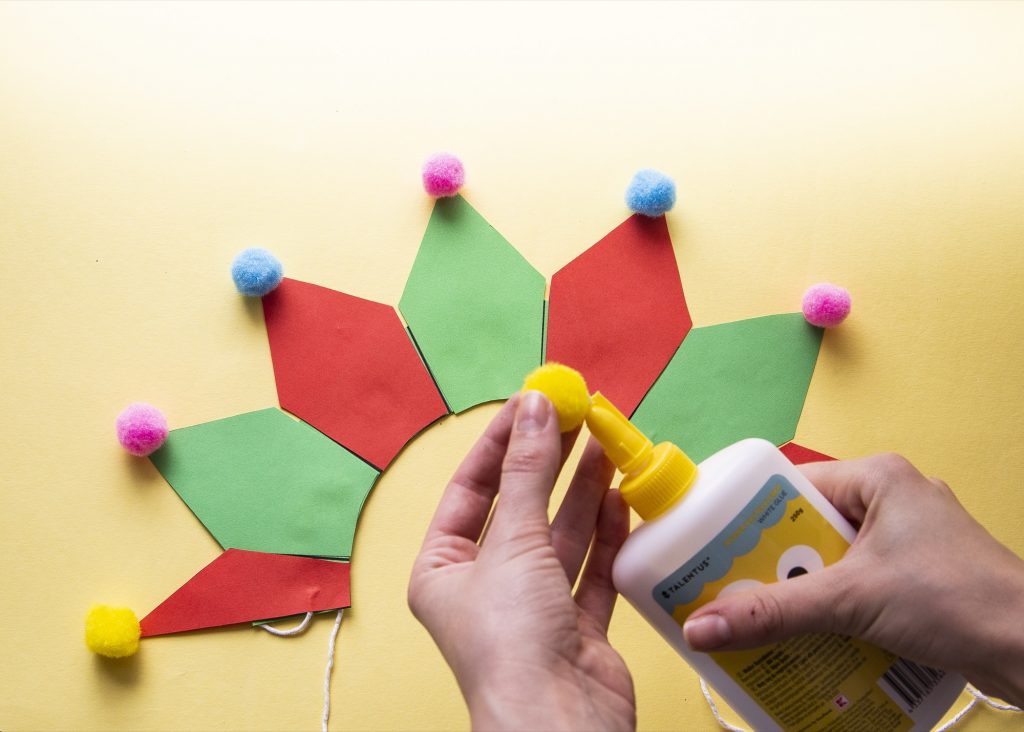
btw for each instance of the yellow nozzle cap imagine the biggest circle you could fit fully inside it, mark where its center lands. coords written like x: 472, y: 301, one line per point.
x: 656, y: 477
x: 623, y: 443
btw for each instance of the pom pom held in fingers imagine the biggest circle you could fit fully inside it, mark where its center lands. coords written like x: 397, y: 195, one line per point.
x: 826, y: 305
x: 141, y: 429
x: 566, y: 389
x: 112, y: 631
x: 443, y: 175
x: 256, y: 272
x: 651, y: 193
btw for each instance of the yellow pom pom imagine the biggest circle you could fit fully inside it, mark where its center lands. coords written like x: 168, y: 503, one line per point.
x: 112, y: 631
x: 565, y: 388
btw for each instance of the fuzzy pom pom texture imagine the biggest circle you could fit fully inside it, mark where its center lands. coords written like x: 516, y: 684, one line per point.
x: 443, y: 175
x: 826, y: 305
x: 112, y: 631
x: 141, y: 429
x: 651, y: 193
x: 256, y: 272
x: 566, y: 389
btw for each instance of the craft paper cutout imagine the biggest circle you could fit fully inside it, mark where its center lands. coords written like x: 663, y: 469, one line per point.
x: 268, y: 486
x: 475, y: 307
x: 732, y: 381
x: 346, y: 366
x: 617, y: 312
x: 798, y: 455
x: 242, y: 586
x: 264, y: 481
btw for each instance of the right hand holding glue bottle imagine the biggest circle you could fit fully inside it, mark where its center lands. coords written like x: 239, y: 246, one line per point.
x: 842, y: 596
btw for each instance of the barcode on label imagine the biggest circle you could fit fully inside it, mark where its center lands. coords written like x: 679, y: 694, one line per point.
x: 908, y: 683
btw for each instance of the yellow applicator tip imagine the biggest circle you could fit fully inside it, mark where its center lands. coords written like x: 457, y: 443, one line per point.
x: 566, y: 389
x: 112, y: 631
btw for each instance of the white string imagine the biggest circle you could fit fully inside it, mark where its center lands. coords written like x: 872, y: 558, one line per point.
x: 978, y: 696
x: 327, y: 671
x: 291, y: 631
x: 714, y: 709
x: 992, y: 702
x: 330, y: 657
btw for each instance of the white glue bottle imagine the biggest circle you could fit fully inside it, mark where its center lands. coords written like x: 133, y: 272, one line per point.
x: 743, y: 517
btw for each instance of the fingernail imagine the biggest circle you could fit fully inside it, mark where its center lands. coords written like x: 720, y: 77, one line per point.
x: 533, y: 412
x: 707, y: 633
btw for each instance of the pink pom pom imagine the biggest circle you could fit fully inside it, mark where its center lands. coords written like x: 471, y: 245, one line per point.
x: 825, y: 305
x: 443, y: 175
x: 141, y: 429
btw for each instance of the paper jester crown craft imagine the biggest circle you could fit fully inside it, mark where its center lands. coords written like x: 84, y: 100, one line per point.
x: 282, y: 496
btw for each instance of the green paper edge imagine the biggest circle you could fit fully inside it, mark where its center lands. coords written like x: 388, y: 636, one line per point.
x: 489, y: 363
x: 727, y: 382
x: 199, y: 460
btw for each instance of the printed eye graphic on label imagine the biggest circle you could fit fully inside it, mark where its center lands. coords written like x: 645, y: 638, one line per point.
x: 798, y: 560
x: 777, y: 536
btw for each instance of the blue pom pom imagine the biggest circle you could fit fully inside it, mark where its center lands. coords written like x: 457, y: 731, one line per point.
x: 651, y: 193
x: 256, y: 272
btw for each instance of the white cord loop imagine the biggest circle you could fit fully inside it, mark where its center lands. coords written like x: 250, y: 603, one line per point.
x: 330, y: 656
x: 291, y: 631
x: 714, y: 709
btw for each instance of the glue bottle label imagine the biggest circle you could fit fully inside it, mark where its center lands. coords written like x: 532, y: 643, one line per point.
x: 809, y: 683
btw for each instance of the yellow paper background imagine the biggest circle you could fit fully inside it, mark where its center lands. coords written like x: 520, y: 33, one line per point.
x: 142, y: 145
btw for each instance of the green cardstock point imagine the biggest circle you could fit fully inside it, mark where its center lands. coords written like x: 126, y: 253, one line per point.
x: 475, y: 307
x: 732, y: 381
x: 267, y: 482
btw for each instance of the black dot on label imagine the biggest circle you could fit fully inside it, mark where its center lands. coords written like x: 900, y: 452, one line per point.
x: 796, y: 572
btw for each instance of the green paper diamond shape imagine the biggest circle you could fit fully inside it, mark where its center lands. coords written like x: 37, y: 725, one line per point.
x: 732, y: 381
x: 267, y: 482
x: 475, y: 307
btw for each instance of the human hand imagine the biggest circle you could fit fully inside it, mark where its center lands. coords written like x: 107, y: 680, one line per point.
x: 525, y: 652
x: 923, y: 579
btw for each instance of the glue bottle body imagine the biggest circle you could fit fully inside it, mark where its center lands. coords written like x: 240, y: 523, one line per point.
x: 750, y: 517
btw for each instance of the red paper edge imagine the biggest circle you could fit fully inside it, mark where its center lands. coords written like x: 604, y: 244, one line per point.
x: 179, y: 613
x: 798, y: 454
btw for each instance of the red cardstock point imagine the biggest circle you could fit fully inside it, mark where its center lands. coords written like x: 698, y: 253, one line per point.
x: 799, y: 455
x: 617, y: 312
x: 242, y: 586
x: 347, y: 366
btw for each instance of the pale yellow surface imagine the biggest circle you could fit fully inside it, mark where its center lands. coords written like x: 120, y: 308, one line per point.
x: 142, y: 145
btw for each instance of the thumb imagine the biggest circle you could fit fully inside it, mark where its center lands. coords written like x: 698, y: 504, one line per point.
x: 811, y: 603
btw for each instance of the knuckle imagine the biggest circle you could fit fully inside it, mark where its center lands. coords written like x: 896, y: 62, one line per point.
x: 526, y: 458
x: 765, y: 616
x: 891, y: 467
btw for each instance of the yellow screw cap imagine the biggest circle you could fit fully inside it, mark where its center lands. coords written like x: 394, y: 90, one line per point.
x: 656, y: 477
x: 663, y: 481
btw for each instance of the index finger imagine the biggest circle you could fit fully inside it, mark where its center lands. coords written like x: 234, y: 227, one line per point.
x: 467, y: 500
